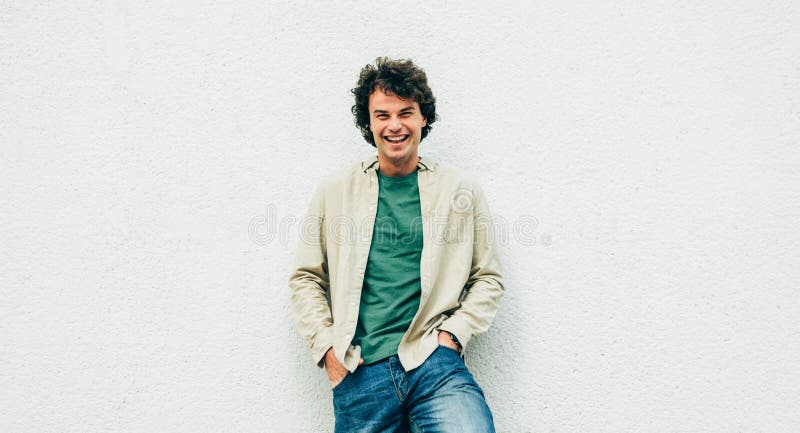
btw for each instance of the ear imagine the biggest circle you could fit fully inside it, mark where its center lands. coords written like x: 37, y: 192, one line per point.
x: 424, y: 121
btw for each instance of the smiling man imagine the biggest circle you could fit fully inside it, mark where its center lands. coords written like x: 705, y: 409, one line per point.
x: 396, y: 128
x: 396, y: 271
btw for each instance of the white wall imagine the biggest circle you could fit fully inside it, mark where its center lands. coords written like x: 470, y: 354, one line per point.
x: 655, y: 145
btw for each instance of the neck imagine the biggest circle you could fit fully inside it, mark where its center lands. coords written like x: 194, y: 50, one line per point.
x: 397, y: 168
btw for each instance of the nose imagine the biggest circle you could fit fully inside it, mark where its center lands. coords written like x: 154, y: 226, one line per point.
x: 394, y: 123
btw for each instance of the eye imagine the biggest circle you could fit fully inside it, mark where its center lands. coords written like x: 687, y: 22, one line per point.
x: 382, y: 116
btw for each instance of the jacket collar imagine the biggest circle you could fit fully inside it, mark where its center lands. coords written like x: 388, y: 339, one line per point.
x: 422, y: 164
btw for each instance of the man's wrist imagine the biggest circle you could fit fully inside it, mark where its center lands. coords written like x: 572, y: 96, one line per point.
x: 328, y: 353
x: 455, y: 340
x: 452, y: 337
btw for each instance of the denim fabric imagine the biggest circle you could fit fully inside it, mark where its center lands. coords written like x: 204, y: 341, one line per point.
x: 440, y: 396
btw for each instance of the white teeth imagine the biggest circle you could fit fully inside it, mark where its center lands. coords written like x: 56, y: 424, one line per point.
x: 396, y: 139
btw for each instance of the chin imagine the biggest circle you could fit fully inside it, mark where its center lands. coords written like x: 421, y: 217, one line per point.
x: 398, y: 156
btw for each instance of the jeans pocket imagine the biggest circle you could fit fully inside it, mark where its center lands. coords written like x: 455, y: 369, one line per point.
x: 442, y: 346
x: 341, y: 382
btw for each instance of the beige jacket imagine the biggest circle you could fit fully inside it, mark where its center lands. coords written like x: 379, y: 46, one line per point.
x: 459, y: 271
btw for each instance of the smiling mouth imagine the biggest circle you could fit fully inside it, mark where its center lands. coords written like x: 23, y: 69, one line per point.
x: 396, y: 139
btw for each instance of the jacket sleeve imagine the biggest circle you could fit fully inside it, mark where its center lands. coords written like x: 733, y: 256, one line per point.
x: 484, y: 286
x: 309, y: 283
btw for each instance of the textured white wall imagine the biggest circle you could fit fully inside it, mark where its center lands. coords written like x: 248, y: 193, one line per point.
x: 151, y: 149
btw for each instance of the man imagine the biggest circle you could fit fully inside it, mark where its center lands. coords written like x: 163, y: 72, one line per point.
x: 396, y: 272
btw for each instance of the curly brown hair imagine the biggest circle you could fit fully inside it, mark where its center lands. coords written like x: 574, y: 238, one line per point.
x: 400, y: 77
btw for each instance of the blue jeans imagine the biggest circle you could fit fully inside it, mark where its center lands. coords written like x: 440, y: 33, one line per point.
x: 440, y: 396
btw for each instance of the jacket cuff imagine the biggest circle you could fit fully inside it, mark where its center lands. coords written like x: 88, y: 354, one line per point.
x: 459, y: 328
x: 322, y: 343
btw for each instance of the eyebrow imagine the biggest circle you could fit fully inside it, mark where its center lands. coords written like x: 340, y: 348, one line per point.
x: 409, y: 108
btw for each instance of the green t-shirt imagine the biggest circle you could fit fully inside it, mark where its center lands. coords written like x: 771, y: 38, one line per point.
x: 391, y: 292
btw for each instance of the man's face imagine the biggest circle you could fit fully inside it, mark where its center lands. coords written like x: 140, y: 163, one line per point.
x: 396, y: 126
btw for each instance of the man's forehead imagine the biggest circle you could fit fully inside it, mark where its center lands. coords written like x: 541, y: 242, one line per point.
x: 383, y: 99
x: 385, y: 90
